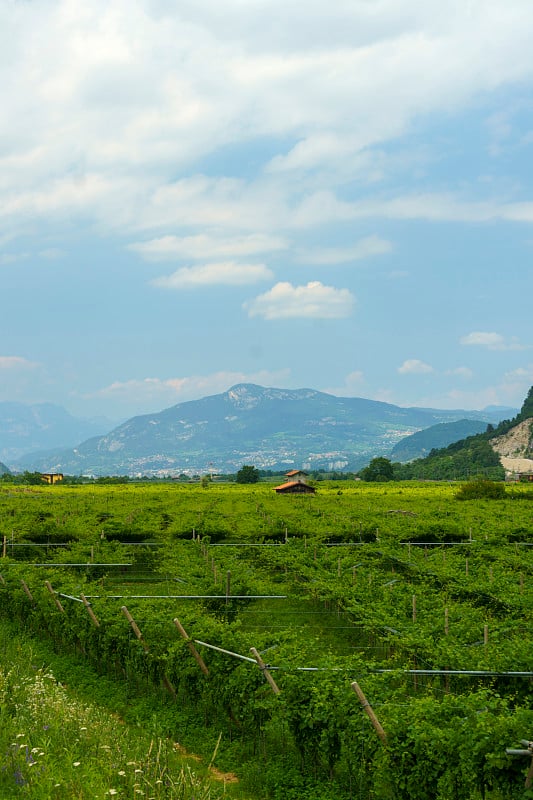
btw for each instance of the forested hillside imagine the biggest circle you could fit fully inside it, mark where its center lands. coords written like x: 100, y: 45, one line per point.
x: 421, y: 443
x: 474, y: 455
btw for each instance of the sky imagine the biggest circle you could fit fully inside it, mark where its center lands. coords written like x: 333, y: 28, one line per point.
x: 199, y: 193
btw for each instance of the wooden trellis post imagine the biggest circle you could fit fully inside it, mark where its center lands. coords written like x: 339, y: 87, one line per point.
x: 138, y: 634
x: 90, y: 611
x: 263, y: 667
x: 134, y: 627
x: 194, y: 652
x: 369, y: 711
x: 26, y: 590
x: 55, y: 598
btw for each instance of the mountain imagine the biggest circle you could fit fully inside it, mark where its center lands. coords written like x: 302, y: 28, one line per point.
x: 27, y: 428
x: 267, y: 427
x: 506, y: 449
x: 420, y: 444
x: 3, y: 469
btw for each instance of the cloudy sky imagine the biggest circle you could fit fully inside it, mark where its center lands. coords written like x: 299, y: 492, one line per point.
x: 196, y: 193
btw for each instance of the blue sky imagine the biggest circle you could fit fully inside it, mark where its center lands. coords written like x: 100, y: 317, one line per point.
x: 336, y: 196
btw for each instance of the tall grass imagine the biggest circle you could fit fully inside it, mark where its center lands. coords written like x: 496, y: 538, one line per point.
x: 52, y: 746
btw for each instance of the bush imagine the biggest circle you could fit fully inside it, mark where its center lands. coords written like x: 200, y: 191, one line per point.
x: 481, y: 489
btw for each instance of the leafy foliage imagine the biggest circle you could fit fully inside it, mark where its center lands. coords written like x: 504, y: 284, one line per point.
x: 333, y: 579
x: 481, y: 489
x: 247, y: 474
x: 467, y: 457
x: 380, y: 469
x: 458, y: 461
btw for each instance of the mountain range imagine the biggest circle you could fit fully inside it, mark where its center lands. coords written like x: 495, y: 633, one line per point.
x: 28, y: 428
x: 249, y: 424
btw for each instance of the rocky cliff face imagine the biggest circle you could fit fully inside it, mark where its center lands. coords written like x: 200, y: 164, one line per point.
x: 515, y: 448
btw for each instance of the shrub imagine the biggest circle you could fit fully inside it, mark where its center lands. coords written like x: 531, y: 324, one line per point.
x: 481, y: 489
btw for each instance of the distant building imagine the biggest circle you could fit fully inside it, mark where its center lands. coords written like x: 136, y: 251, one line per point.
x: 296, y: 484
x: 296, y: 475
x: 525, y: 477
x: 295, y: 487
x: 52, y: 477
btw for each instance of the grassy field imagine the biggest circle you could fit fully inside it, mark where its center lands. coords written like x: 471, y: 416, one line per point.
x: 57, y: 741
x: 424, y: 600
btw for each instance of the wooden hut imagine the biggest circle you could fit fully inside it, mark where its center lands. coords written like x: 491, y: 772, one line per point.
x: 294, y: 487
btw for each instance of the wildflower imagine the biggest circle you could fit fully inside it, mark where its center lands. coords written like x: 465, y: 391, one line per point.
x: 121, y: 772
x: 112, y: 791
x: 76, y: 763
x: 19, y: 778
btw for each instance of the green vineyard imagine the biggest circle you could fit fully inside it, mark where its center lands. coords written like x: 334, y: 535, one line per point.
x: 368, y: 641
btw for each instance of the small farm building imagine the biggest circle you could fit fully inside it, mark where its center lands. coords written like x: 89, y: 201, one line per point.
x: 295, y: 487
x: 296, y: 475
x: 52, y: 477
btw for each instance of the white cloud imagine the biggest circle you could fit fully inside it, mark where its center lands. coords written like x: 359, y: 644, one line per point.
x: 130, y: 93
x: 517, y: 382
x: 12, y: 258
x: 491, y: 340
x: 51, y: 253
x: 147, y: 391
x: 365, y: 248
x: 228, y: 273
x: 204, y: 246
x: 483, y: 338
x: 510, y: 390
x: 413, y: 366
x: 313, y: 301
x: 16, y: 362
x: 353, y: 384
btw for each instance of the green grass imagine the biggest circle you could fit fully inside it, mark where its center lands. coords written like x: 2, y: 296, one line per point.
x: 56, y: 743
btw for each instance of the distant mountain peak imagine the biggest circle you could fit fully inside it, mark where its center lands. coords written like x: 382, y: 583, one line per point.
x: 249, y: 395
x: 247, y: 424
x: 245, y: 395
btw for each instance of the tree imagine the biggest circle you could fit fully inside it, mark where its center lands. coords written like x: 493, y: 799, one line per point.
x: 247, y: 474
x: 379, y: 469
x: 527, y: 408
